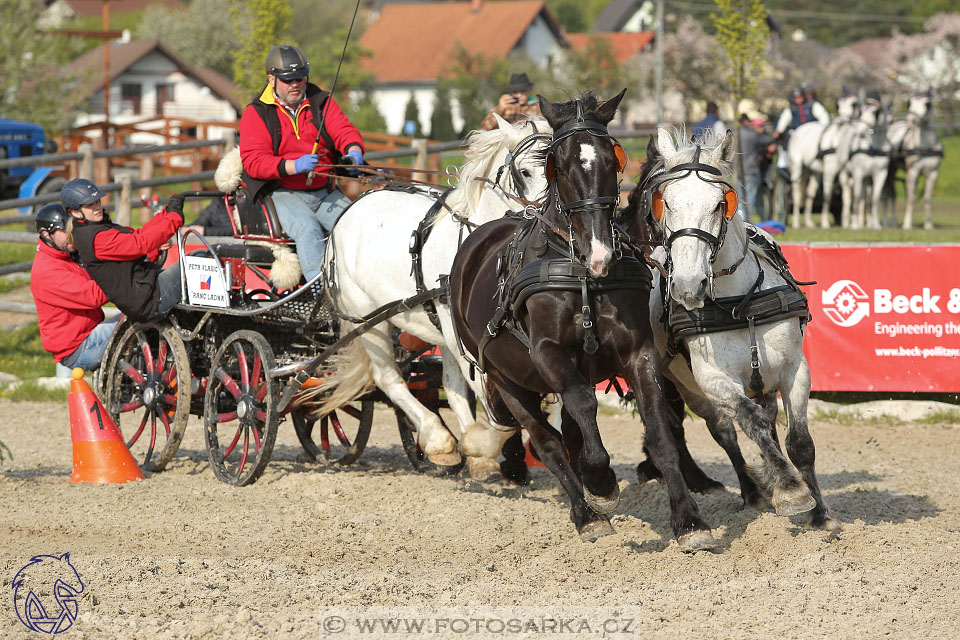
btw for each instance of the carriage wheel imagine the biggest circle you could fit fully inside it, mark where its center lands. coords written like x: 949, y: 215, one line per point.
x: 350, y: 425
x: 146, y: 382
x: 239, y: 408
x: 408, y: 437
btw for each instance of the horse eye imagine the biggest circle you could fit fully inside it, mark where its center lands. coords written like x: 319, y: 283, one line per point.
x: 525, y: 173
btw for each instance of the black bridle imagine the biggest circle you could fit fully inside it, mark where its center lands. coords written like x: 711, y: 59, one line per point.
x: 510, y: 161
x: 694, y: 166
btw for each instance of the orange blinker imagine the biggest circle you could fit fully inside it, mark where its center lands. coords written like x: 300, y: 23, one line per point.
x: 621, y: 157
x: 730, y: 203
x: 656, y: 208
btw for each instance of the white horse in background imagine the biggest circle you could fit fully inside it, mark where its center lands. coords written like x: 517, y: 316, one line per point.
x: 712, y: 265
x: 833, y: 137
x: 368, y: 262
x: 806, y: 168
x: 865, y: 158
x: 918, y: 150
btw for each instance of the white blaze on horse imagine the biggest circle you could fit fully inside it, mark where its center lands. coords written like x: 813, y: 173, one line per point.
x: 368, y: 264
x: 739, y: 314
x: 918, y: 150
x: 865, y: 160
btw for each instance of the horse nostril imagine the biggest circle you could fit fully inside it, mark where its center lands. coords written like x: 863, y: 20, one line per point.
x: 702, y: 290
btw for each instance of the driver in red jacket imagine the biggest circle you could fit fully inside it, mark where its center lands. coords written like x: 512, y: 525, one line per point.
x: 68, y: 301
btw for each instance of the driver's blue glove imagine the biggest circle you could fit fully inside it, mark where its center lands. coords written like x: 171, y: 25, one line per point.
x: 354, y: 157
x: 306, y: 162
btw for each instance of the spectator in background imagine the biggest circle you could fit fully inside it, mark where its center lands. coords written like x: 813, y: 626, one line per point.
x: 68, y: 301
x: 213, y: 220
x: 757, y: 148
x: 710, y: 123
x: 515, y: 104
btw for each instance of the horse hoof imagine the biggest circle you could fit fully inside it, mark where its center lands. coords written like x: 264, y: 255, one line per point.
x: 700, y: 540
x: 594, y: 530
x: 603, y: 505
x: 482, y: 469
x: 824, y: 522
x: 799, y: 501
x: 646, y: 471
x: 706, y: 488
x: 444, y: 459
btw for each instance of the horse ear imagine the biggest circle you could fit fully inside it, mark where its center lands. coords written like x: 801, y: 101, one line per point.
x: 549, y: 110
x: 724, y: 153
x: 652, y: 152
x: 501, y: 123
x: 607, y: 110
x: 665, y: 144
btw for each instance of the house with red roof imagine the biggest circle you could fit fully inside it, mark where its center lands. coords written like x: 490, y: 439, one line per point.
x: 412, y: 45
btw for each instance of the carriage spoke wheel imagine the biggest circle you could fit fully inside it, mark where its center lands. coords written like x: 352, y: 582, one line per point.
x: 146, y: 382
x: 343, y: 433
x: 239, y: 408
x: 408, y: 437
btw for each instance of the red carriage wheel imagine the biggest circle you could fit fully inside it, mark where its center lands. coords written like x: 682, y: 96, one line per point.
x: 239, y: 408
x: 146, y: 388
x: 343, y: 433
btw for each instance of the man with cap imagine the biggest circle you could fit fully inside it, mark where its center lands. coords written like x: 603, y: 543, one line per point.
x: 120, y: 259
x: 515, y: 104
x: 292, y: 128
x: 68, y: 301
x: 757, y: 147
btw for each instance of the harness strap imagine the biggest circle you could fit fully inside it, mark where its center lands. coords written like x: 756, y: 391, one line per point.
x: 756, y: 380
x: 417, y: 241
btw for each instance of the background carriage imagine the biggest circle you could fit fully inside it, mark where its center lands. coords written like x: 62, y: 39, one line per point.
x: 226, y: 352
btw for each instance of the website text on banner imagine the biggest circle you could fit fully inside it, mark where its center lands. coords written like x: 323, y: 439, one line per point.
x: 884, y: 318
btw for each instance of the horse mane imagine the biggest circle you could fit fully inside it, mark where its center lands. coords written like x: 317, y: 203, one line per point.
x: 686, y: 148
x: 485, y: 150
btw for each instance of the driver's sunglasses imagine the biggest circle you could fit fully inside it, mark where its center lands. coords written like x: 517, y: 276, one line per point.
x: 292, y: 80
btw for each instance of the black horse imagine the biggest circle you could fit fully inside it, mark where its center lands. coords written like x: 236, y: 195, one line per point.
x: 553, y: 305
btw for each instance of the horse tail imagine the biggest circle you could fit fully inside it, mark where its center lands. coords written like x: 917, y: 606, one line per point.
x: 349, y: 376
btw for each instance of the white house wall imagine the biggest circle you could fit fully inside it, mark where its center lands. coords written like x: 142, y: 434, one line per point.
x: 539, y: 43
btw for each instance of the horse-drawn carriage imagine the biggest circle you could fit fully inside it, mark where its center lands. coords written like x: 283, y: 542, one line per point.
x: 226, y: 351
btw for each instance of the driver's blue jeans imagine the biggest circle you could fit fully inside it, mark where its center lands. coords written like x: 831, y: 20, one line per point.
x: 308, y: 217
x: 90, y: 352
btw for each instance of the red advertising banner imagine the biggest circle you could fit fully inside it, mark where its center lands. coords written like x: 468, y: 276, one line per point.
x: 885, y: 318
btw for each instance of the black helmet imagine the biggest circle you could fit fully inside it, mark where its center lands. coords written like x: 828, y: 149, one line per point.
x: 287, y: 62
x: 50, y: 218
x: 796, y: 93
x: 79, y: 192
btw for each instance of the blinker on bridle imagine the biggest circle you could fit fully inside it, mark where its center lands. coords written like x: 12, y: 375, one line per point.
x: 728, y: 205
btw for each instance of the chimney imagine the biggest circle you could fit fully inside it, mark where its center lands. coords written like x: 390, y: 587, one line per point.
x: 476, y: 6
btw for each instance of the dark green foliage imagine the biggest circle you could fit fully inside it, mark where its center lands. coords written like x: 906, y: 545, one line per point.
x: 365, y: 116
x: 412, y: 114
x: 441, y: 122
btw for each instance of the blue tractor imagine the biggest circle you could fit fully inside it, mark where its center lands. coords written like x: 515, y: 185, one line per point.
x: 19, y: 140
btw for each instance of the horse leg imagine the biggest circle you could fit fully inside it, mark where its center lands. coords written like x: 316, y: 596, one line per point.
x: 525, y: 406
x: 484, y: 443
x: 929, y: 180
x: 514, y: 468
x: 722, y: 429
x: 813, y: 183
x: 910, y: 187
x: 796, y: 186
x: 437, y: 443
x: 829, y: 176
x: 846, y: 190
x: 856, y: 221
x: 799, y: 444
x: 875, y: 192
x: 643, y: 374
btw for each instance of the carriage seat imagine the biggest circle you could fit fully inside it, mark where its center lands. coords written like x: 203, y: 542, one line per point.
x: 251, y: 253
x: 255, y: 218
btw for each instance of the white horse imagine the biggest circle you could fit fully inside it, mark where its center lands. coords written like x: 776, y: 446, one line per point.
x: 368, y: 264
x: 805, y: 162
x: 865, y: 156
x: 714, y: 271
x: 833, y: 137
x: 918, y: 148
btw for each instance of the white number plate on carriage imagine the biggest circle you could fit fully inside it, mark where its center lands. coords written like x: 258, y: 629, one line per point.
x: 205, y: 283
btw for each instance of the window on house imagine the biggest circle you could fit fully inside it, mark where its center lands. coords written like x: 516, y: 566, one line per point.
x: 130, y: 98
x: 164, y: 95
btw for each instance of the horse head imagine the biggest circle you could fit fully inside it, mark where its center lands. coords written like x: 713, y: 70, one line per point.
x: 582, y: 166
x: 920, y: 107
x: 692, y: 202
x: 499, y: 165
x: 848, y: 107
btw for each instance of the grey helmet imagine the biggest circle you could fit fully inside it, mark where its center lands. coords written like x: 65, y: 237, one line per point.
x: 79, y: 192
x: 50, y: 218
x: 287, y: 62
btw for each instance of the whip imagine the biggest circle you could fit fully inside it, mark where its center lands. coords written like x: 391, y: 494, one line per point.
x: 323, y: 112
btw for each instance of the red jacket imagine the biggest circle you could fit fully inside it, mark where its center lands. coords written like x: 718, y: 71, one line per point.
x: 296, y: 138
x: 68, y: 301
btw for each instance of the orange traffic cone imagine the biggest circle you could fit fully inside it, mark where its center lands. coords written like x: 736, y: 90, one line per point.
x: 99, y: 453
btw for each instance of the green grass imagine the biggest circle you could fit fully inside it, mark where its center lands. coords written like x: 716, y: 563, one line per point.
x: 30, y: 391
x: 11, y: 252
x: 22, y: 354
x: 13, y: 282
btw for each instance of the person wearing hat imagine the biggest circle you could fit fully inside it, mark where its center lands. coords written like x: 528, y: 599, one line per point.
x: 68, y: 301
x: 120, y: 259
x: 515, y: 104
x: 278, y: 131
x: 799, y: 111
x: 757, y: 148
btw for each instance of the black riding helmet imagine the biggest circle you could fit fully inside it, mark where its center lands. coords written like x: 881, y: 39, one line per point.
x: 50, y: 218
x: 287, y: 62
x: 79, y: 192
